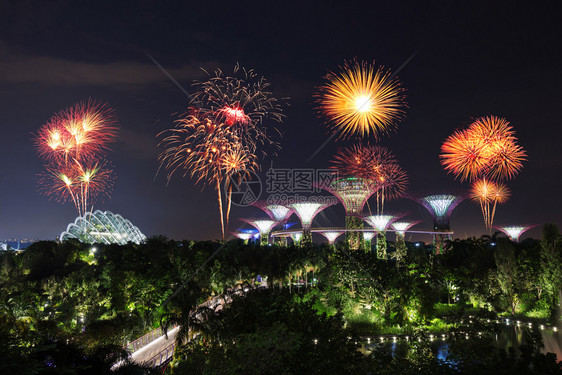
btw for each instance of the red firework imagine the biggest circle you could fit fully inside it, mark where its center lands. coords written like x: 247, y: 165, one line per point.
x: 80, y: 132
x: 376, y: 164
x: 72, y: 143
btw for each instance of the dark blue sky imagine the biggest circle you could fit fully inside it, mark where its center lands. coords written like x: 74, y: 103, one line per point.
x: 468, y: 61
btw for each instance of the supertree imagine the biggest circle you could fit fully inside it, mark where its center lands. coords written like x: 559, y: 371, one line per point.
x: 331, y: 235
x: 367, y: 238
x: 73, y: 145
x: 376, y: 165
x: 296, y: 237
x: 245, y: 235
x: 306, y: 211
x: 484, y: 153
x: 353, y: 193
x: 514, y: 231
x: 361, y: 100
x: 400, y: 228
x: 380, y: 223
x: 222, y: 135
x: 275, y: 212
x: 440, y: 207
x: 263, y: 226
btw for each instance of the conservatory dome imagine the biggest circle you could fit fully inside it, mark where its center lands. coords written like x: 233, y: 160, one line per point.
x: 103, y: 227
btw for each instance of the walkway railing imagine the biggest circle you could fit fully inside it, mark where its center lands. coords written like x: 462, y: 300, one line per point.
x: 141, y: 342
x: 163, y: 356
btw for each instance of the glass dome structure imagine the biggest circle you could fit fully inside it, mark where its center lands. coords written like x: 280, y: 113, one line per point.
x: 103, y: 227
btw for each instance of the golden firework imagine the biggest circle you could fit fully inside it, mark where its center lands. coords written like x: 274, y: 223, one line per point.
x: 361, y: 100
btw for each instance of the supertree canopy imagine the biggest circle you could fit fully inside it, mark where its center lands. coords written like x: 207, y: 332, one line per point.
x: 402, y: 226
x: 440, y: 206
x: 103, y: 227
x: 375, y: 164
x: 380, y: 222
x: 306, y: 211
x: 276, y: 212
x: 331, y: 235
x: 515, y: 231
x: 263, y: 226
x: 296, y: 237
x: 246, y: 235
x: 353, y: 193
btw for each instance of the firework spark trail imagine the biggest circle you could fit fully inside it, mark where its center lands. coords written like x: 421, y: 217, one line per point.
x: 376, y: 164
x: 489, y: 194
x: 361, y: 100
x: 72, y: 144
x: 219, y: 139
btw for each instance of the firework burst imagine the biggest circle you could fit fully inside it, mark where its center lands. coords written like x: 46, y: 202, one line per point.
x: 375, y: 164
x: 72, y: 143
x: 489, y: 194
x: 361, y: 100
x: 219, y: 140
x: 487, y: 148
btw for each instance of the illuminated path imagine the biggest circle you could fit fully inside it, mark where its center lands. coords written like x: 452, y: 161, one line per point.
x: 158, y: 351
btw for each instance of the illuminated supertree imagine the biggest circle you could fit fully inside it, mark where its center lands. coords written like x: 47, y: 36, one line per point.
x: 220, y: 137
x: 275, y: 212
x: 72, y: 144
x: 367, y: 238
x: 353, y: 193
x: 515, y: 231
x: 306, y: 212
x: 401, y: 227
x: 245, y: 235
x: 296, y: 237
x: 440, y: 207
x: 380, y: 223
x: 361, y: 100
x: 263, y: 226
x: 331, y: 235
x: 377, y: 166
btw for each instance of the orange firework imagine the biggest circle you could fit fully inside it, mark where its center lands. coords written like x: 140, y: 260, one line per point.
x: 487, y: 148
x: 376, y: 164
x: 489, y: 194
x: 361, y: 100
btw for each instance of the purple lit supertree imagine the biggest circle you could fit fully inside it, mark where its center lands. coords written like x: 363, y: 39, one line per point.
x: 401, y: 227
x: 380, y: 223
x: 440, y: 206
x: 275, y: 212
x: 263, y: 226
x: 306, y: 211
x: 353, y: 193
x: 331, y: 235
x: 514, y: 231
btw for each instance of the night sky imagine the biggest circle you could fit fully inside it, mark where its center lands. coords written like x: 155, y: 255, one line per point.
x: 465, y: 62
